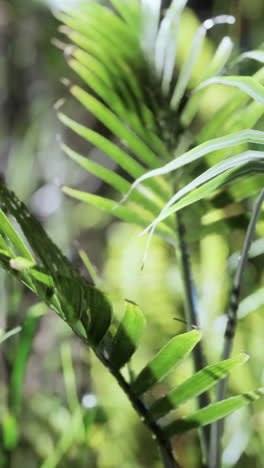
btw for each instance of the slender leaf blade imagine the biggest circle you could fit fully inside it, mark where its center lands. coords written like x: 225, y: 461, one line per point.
x: 212, y: 413
x: 166, y: 359
x: 195, y: 385
x: 245, y: 83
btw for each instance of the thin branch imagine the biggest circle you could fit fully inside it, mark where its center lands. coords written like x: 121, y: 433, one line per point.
x: 143, y: 411
x: 141, y: 408
x: 191, y: 316
x: 217, y: 428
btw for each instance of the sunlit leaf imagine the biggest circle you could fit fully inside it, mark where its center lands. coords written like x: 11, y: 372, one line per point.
x: 212, y: 413
x: 250, y: 162
x: 244, y: 83
x: 166, y: 359
x: 195, y: 385
x: 228, y: 141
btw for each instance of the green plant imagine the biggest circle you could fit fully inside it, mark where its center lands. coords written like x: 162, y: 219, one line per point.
x: 127, y: 57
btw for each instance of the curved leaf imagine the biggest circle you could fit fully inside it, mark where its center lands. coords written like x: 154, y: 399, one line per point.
x: 218, y: 62
x: 186, y: 70
x: 220, y: 174
x: 228, y: 141
x: 234, y: 103
x: 245, y: 83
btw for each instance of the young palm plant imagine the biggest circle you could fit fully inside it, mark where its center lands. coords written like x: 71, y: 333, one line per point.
x: 125, y: 53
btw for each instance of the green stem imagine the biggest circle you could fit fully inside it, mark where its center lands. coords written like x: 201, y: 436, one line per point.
x: 191, y: 316
x: 217, y: 428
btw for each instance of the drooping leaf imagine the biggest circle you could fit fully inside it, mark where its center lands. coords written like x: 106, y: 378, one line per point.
x: 166, y: 359
x: 257, y: 55
x: 127, y: 337
x: 228, y: 141
x: 250, y: 162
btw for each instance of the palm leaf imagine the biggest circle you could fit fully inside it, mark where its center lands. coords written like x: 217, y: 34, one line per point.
x: 213, y: 412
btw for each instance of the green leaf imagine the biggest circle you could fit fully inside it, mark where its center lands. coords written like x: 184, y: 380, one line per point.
x: 4, y: 336
x: 7, y: 229
x: 132, y: 167
x: 129, y: 214
x: 117, y: 127
x: 22, y: 354
x: 195, y: 385
x: 166, y: 44
x: 129, y: 11
x: 250, y: 162
x: 127, y: 336
x: 149, y: 27
x: 167, y: 358
x: 197, y: 42
x: 218, y: 62
x: 227, y: 141
x: 212, y: 413
x: 217, y: 123
x: 109, y: 176
x: 9, y: 431
x: 21, y: 263
x: 245, y: 83
x: 76, y: 298
x: 251, y: 303
x: 90, y: 268
x: 257, y: 55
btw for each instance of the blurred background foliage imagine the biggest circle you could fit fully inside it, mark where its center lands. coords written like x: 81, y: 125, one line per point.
x: 66, y: 409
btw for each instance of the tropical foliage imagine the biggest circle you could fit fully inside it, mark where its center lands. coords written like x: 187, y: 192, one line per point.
x: 133, y: 82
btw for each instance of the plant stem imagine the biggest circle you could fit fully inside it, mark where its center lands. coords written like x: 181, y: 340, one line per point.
x: 191, y: 316
x: 217, y: 428
x: 142, y: 410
